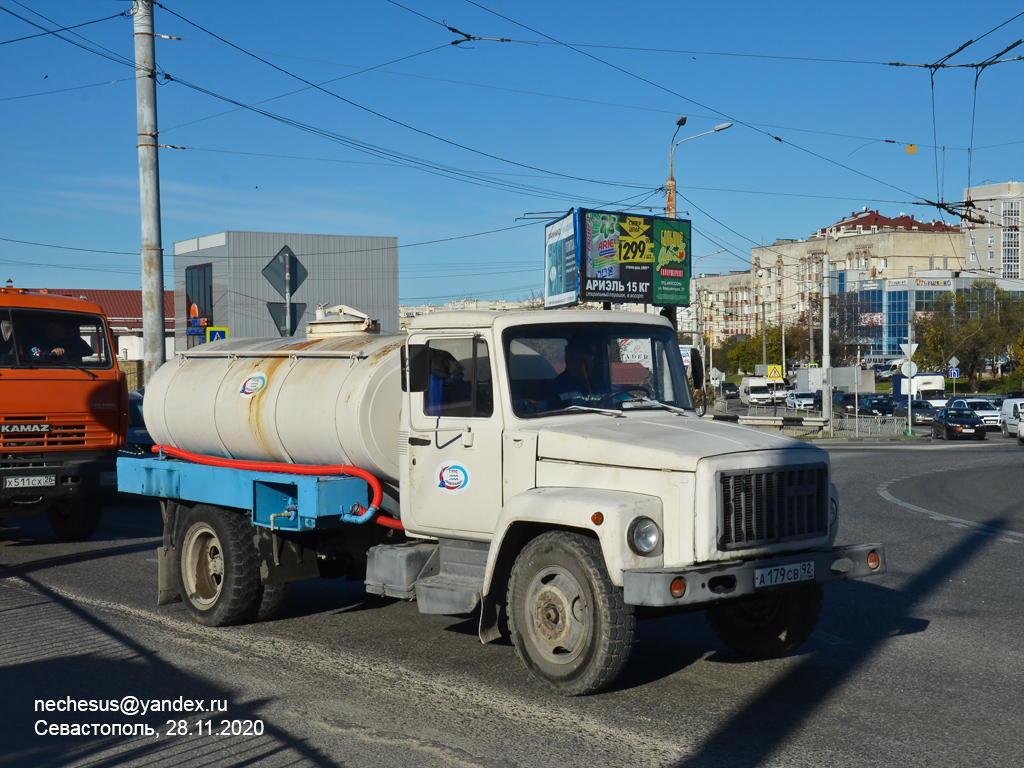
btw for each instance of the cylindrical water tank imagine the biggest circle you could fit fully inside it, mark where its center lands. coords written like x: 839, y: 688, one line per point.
x: 330, y: 400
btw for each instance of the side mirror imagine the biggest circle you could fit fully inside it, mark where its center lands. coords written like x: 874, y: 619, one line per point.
x: 415, y: 368
x: 696, y: 370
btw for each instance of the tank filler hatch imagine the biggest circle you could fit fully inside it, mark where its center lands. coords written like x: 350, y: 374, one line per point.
x: 340, y: 320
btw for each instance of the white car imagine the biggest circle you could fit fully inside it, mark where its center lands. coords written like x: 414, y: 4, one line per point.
x: 801, y: 401
x: 1010, y: 416
x: 986, y: 411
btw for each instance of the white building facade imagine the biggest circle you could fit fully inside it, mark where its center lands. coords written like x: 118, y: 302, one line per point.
x: 993, y: 245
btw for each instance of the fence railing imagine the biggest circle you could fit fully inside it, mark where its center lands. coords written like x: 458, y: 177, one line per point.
x: 801, y: 423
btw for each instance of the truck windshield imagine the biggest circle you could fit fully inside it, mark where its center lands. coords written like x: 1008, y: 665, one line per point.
x: 37, y: 338
x: 555, y: 366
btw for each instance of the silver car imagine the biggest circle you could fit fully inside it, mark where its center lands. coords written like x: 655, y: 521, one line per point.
x: 801, y: 401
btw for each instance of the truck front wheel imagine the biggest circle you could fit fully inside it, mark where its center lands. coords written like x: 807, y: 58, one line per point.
x: 75, y: 520
x: 219, y: 578
x: 770, y: 625
x: 568, y: 622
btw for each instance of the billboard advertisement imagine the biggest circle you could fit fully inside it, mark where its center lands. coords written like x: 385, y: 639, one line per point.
x: 561, y: 267
x: 617, y: 257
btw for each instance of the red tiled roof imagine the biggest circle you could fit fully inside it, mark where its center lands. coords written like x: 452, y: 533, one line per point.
x: 122, y: 308
x: 868, y: 219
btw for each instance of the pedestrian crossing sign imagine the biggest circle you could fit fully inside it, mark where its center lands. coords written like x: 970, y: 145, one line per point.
x: 215, y: 334
x: 775, y: 372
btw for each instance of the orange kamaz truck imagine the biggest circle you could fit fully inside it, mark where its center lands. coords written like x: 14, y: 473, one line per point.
x: 63, y: 410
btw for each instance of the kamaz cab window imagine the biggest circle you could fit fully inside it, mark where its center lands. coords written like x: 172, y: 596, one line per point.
x: 33, y: 338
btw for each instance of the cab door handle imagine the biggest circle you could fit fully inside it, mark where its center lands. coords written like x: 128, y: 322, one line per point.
x: 419, y: 441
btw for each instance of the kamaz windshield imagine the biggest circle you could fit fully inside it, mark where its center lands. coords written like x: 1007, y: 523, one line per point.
x: 572, y: 367
x: 38, y: 338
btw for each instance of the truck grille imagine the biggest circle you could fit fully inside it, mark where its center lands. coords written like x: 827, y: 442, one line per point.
x: 91, y: 434
x: 766, y: 506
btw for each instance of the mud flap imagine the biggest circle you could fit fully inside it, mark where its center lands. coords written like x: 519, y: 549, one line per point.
x: 167, y: 577
x: 490, y: 613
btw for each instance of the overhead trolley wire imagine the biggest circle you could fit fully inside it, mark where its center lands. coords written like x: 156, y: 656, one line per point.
x: 121, y: 15
x: 381, y: 115
x: 699, y: 104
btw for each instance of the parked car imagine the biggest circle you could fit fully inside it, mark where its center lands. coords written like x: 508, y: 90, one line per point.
x: 802, y: 401
x: 890, y: 369
x: 951, y: 423
x: 139, y: 441
x: 921, y: 411
x: 983, y: 408
x: 730, y: 390
x: 1010, y: 415
x: 876, y: 405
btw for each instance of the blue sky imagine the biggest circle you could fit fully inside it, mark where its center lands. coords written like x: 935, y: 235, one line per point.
x: 578, y: 109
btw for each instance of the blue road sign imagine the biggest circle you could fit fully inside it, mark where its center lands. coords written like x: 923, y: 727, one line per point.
x: 216, y: 334
x: 954, y: 373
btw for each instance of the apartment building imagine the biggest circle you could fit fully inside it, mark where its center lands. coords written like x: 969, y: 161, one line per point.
x: 993, y: 244
x: 786, y: 276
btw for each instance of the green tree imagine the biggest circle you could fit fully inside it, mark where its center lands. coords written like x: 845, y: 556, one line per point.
x: 975, y: 324
x: 745, y: 355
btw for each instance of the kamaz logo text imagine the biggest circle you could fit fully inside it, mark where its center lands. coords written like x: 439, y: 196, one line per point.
x: 32, y: 428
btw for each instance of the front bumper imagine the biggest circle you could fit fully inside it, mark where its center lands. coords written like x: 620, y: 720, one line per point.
x: 68, y: 476
x: 707, y: 584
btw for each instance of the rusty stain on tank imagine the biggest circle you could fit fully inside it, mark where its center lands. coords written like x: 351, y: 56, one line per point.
x: 255, y: 420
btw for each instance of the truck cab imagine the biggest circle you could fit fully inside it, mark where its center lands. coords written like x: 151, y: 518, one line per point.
x: 575, y: 435
x: 64, y: 411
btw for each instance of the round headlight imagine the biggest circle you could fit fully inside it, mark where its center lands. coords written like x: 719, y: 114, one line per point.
x: 644, y: 536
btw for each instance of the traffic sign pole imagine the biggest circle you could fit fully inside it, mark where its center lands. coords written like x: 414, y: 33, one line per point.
x: 909, y: 369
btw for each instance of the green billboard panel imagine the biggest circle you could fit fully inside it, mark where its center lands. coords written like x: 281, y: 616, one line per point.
x: 671, y: 276
x: 626, y: 258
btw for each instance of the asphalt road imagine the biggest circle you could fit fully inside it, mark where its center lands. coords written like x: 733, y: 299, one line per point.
x: 921, y: 666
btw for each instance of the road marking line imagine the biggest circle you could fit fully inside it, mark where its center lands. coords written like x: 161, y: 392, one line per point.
x: 882, y: 490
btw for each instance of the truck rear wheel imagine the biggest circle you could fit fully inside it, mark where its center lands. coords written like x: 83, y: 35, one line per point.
x: 770, y: 625
x: 75, y: 520
x: 272, y: 599
x: 219, y: 578
x: 568, y: 622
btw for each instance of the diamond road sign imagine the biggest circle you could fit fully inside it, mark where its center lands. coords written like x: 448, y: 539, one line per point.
x: 275, y: 271
x: 277, y: 312
x: 954, y: 361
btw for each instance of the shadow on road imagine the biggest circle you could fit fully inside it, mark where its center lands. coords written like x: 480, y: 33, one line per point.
x: 754, y: 734
x: 81, y: 657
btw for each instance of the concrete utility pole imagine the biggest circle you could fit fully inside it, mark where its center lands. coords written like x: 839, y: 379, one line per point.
x: 764, y: 335
x: 153, y: 354
x: 810, y: 310
x: 826, y: 348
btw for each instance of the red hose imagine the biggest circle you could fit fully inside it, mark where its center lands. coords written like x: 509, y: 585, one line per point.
x: 294, y: 469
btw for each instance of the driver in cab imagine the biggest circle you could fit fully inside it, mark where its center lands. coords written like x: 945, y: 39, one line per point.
x: 579, y: 383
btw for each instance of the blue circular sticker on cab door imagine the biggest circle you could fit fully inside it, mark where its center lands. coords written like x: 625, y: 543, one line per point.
x: 452, y: 478
x: 253, y: 385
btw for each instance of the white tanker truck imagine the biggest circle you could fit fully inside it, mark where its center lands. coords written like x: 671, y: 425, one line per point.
x: 531, y: 467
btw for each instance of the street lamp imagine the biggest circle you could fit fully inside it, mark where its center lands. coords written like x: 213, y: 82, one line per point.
x: 670, y: 190
x: 670, y: 185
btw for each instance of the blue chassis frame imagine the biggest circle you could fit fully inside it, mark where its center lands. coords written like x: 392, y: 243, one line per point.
x: 277, y: 500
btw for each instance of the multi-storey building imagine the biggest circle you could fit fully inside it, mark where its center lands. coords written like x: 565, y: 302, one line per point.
x: 787, y: 275
x: 993, y: 245
x: 724, y: 306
